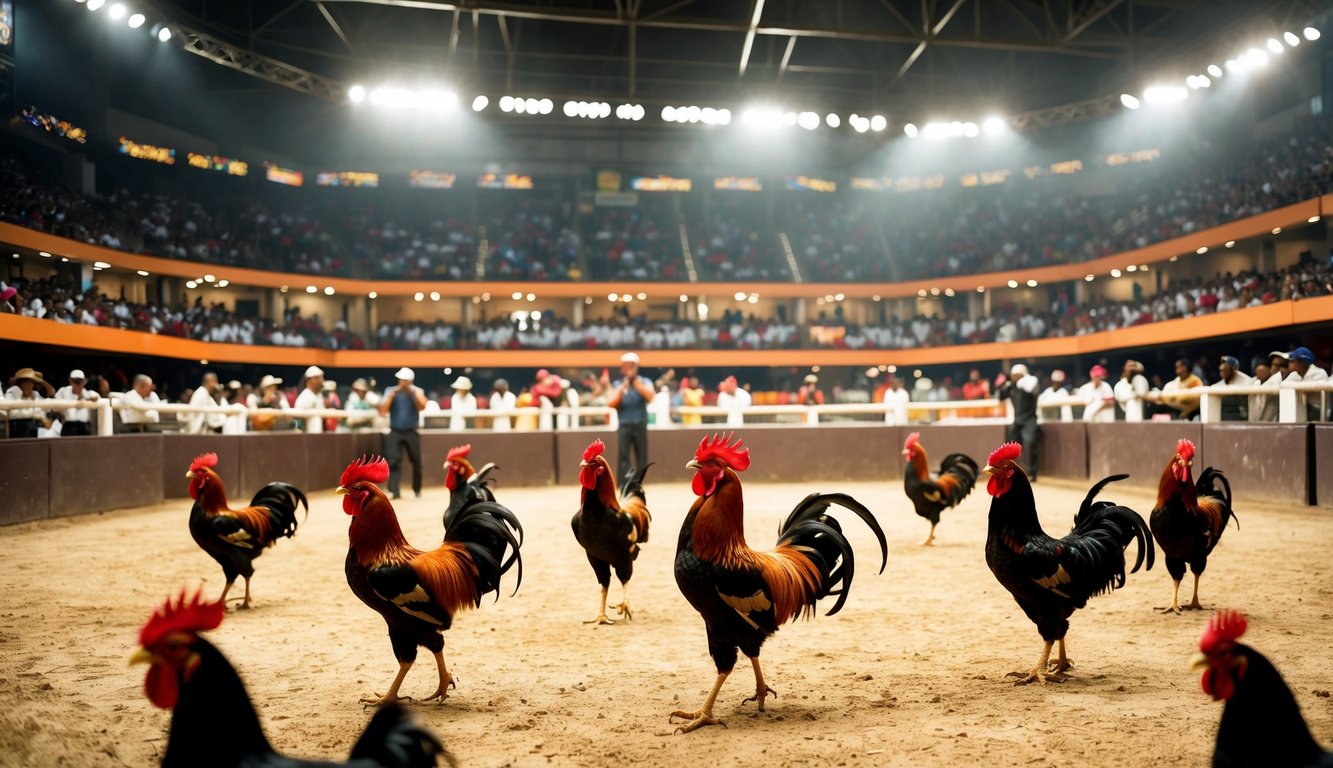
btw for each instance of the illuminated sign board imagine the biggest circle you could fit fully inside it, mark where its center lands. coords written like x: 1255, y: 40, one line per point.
x: 1067, y: 167
x: 985, y: 178
x: 608, y: 181
x: 431, y: 179
x: 283, y: 175
x: 218, y: 163
x: 138, y: 151
x: 738, y: 184
x: 812, y: 184
x: 867, y: 184
x: 504, y: 181
x: 1138, y: 156
x: 660, y: 184
x: 347, y: 179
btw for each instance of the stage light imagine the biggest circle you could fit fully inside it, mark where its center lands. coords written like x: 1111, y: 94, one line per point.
x: 142, y: 273
x: 1256, y: 58
x: 858, y: 123
x: 207, y: 278
x: 808, y: 120
x: 970, y: 130
x: 311, y: 289
x: 571, y: 108
x: 911, y: 130
x: 1230, y: 243
x: 641, y: 296
x: 1274, y: 45
x: 506, y: 103
x: 1089, y: 278
x: 1214, y: 70
x: 480, y: 103
x: 163, y: 34
x: 832, y: 120
x: 1129, y: 101
x: 1292, y: 39
x: 992, y: 126
x: 1201, y: 250
x: 1115, y: 273
x: 356, y: 94
x: 373, y: 295
x: 118, y: 11
x: 878, y: 123
x: 136, y: 20
x: 419, y: 296
x: 669, y: 114
x: 191, y: 284
x: 739, y: 296
x: 1013, y: 283
x: 95, y: 4
x: 1032, y: 283
x: 1311, y: 34
x: 762, y: 118
x: 1165, y: 94
x: 545, y: 106
x: 328, y: 290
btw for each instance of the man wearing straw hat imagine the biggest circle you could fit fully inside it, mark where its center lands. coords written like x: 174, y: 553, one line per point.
x: 403, y: 405
x: 23, y: 422
x: 462, y: 403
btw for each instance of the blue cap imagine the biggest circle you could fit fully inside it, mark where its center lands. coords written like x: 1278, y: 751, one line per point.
x: 1231, y: 361
x: 1302, y: 355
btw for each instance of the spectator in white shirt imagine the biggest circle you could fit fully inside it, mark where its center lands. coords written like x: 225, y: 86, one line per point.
x: 1098, y: 396
x: 137, y: 412
x: 462, y: 403
x: 77, y: 420
x: 1131, y: 389
x: 1234, y: 408
x: 24, y: 422
x: 734, y: 400
x: 502, y: 404
x: 1056, y: 391
x: 312, y: 397
x: 362, y: 404
x: 896, y: 398
x: 1303, y: 369
x: 205, y: 395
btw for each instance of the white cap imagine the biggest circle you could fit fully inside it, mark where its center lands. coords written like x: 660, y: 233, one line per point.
x: 77, y: 374
x: 463, y: 383
x: 313, y: 371
x: 629, y: 357
x: 405, y: 374
x: 1018, y: 370
x: 269, y: 380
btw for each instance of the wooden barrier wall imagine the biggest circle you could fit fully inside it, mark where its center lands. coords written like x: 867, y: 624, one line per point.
x: 42, y: 479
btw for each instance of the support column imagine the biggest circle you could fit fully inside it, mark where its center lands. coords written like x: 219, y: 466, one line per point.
x: 800, y: 312
x: 577, y: 313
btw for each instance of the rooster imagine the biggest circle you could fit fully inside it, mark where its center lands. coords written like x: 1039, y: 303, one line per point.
x: 419, y: 592
x: 1050, y: 578
x: 235, y: 537
x: 610, y: 526
x: 1261, y: 721
x: 215, y: 724
x: 1188, y: 519
x: 744, y: 595
x: 931, y: 496
x: 466, y: 486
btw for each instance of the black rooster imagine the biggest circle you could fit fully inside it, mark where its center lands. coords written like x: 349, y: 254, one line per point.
x: 1188, y: 519
x: 932, y: 495
x: 466, y: 485
x: 610, y: 526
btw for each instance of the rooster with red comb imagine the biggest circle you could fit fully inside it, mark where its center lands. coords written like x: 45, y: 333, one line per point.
x: 1261, y: 721
x: 1051, y: 578
x: 1188, y: 519
x: 744, y: 595
x: 610, y: 526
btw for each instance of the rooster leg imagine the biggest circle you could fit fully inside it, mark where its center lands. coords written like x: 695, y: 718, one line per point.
x: 601, y: 613
x: 704, y: 716
x: 392, y: 696
x: 245, y: 604
x: 1194, y: 604
x: 1175, y: 598
x: 225, y: 590
x: 1038, y: 673
x: 930, y: 539
x: 760, y: 689
x: 446, y: 680
x: 1063, y: 663
x: 623, y: 608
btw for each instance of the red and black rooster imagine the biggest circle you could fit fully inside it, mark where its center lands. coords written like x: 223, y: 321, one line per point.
x: 1188, y: 519
x: 744, y: 595
x: 1051, y: 578
x: 417, y: 592
x: 1261, y: 723
x: 932, y: 495
x: 235, y: 537
x: 466, y: 486
x: 610, y: 526
x: 214, y: 724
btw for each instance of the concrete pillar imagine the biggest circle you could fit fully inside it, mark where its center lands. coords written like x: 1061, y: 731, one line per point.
x: 800, y: 312
x: 577, y: 313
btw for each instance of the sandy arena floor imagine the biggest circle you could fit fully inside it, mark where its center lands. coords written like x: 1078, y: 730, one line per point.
x: 910, y: 673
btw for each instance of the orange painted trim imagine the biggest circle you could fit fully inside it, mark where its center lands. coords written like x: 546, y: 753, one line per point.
x: 1280, y: 315
x: 1254, y: 226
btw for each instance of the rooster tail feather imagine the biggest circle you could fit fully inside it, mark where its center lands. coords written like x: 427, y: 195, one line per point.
x: 1108, y: 523
x: 1213, y: 483
x: 958, y: 476
x: 393, y: 740
x: 488, y: 529
x: 633, y: 486
x: 1088, y: 504
x: 479, y: 477
x: 810, y: 529
x: 281, y: 500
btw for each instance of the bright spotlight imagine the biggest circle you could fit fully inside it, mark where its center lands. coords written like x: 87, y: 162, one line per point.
x: 669, y: 114
x: 163, y: 34
x: 1292, y: 39
x: 1214, y: 70
x: 136, y: 20
x: 878, y: 123
x: 993, y: 125
x: 1257, y: 58
x: 970, y: 130
x: 763, y: 118
x: 832, y: 120
x: 1165, y: 94
x: 480, y: 103
x: 506, y: 103
x: 118, y: 11
x: 910, y: 130
x: 1129, y: 101
x: 858, y: 123
x: 356, y: 94
x: 1310, y: 33
x: 571, y: 108
x: 95, y: 4
x: 1274, y: 45
x: 808, y: 120
x: 545, y: 106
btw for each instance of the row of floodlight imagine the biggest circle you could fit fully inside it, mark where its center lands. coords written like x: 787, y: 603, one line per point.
x: 133, y: 19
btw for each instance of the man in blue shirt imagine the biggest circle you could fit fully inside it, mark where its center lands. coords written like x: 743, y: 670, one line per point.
x: 403, y: 405
x: 630, y: 397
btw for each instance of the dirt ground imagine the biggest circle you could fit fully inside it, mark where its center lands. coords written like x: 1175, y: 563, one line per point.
x: 911, y: 672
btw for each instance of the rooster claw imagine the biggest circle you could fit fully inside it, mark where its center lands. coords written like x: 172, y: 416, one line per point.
x: 694, y: 721
x: 601, y: 620
x: 1168, y: 609
x: 624, y: 610
x: 379, y: 701
x: 440, y: 692
x: 759, y: 695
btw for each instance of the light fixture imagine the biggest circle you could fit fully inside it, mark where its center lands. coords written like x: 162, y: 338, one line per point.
x: 209, y: 278
x: 934, y: 291
x: 434, y: 295
x: 832, y: 120
x: 611, y: 297
x: 118, y: 11
x: 311, y: 289
x: 507, y: 103
x: 163, y: 34
x: 641, y: 296
x: 44, y: 254
x: 921, y: 292
x: 1312, y: 219
x: 136, y: 20
x: 739, y: 296
x: 1089, y: 278
x: 1130, y: 102
x: 419, y: 296
x: 1214, y: 70
x: 95, y: 4
x: 1231, y: 244
x: 911, y: 130
x: 878, y: 123
x: 839, y: 297
x: 532, y: 297
x: 328, y: 290
x: 1310, y: 33
x: 981, y: 289
x: 516, y: 295
x: 373, y: 295
x: 1115, y: 273
x: 1032, y: 283
x: 356, y: 94
x: 1277, y: 230
x: 1292, y: 39
x: 808, y: 120
x: 1275, y: 45
x: 1164, y: 94
x: 1201, y: 250
x: 65, y: 260
x: 191, y: 284
x: 1013, y: 283
x: 142, y: 273
x: 684, y: 298
x: 1132, y: 268
x: 479, y: 103
x: 993, y: 125
x: 625, y: 297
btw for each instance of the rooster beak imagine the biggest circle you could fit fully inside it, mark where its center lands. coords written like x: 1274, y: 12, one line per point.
x: 141, y: 656
x: 988, y: 469
x: 340, y: 491
x: 189, y: 475
x: 692, y: 464
x: 1198, y: 661
x: 582, y: 464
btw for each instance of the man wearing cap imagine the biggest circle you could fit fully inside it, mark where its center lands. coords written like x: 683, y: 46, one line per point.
x: 1056, y: 391
x: 1131, y: 390
x: 1021, y: 390
x: 502, y: 404
x: 1301, y: 363
x: 1098, y: 396
x: 137, y: 410
x: 462, y: 403
x: 1265, y: 407
x: 362, y: 405
x: 897, y: 398
x: 77, y: 419
x: 269, y: 399
x: 312, y: 398
x: 732, y: 398
x: 205, y: 395
x: 23, y: 422
x: 810, y: 394
x: 630, y: 396
x: 1234, y: 407
x: 403, y: 405
x: 1186, y: 406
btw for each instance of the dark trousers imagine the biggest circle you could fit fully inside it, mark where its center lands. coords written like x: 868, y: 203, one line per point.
x: 75, y: 429
x: 395, y: 442
x: 635, y: 435
x: 22, y: 427
x: 1026, y: 434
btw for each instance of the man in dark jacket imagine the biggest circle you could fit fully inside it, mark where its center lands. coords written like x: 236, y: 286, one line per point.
x: 1021, y: 390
